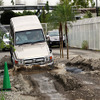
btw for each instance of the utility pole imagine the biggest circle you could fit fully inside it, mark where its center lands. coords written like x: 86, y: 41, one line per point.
x: 97, y: 8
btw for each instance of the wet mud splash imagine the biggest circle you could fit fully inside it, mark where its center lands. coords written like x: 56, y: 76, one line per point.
x: 29, y: 70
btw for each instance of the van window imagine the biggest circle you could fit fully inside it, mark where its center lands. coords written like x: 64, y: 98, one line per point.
x: 30, y: 36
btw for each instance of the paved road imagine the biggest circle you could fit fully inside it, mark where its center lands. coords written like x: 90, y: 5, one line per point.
x: 76, y: 52
x: 72, y: 53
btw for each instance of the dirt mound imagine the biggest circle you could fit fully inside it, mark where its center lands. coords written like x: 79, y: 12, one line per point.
x: 96, y: 64
x: 20, y: 84
x: 76, y: 60
x: 91, y: 64
x: 69, y: 82
x: 20, y: 87
x: 95, y: 73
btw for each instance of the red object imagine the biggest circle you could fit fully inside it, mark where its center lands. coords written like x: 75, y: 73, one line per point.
x: 50, y: 57
x: 16, y: 62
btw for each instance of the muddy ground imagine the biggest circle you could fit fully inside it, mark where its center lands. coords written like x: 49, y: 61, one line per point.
x: 74, y: 79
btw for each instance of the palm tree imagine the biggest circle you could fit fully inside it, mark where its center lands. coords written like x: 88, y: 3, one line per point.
x: 83, y: 3
x: 62, y: 14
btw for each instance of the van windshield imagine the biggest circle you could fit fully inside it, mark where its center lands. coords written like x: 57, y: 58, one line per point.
x: 30, y: 36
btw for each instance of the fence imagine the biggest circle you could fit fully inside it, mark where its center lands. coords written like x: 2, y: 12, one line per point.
x: 86, y: 29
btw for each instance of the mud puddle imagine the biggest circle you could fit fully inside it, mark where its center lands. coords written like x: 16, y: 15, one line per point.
x: 73, y: 69
x: 47, y: 87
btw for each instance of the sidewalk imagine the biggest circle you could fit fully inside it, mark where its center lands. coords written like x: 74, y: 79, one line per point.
x: 75, y: 52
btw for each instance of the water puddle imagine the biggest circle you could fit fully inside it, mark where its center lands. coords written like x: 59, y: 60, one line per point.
x: 73, y: 69
x: 46, y: 86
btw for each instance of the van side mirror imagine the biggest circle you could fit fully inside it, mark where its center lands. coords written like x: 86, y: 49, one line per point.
x: 47, y: 38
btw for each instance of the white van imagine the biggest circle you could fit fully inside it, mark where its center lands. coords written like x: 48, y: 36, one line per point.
x: 28, y: 39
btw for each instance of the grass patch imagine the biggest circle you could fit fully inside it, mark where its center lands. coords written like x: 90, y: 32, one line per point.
x: 85, y: 45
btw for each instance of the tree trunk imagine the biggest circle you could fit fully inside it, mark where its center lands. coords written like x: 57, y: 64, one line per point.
x: 61, y: 41
x: 59, y: 38
x: 67, y: 40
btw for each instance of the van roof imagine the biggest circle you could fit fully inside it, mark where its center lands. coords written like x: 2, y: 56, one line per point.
x: 23, y: 23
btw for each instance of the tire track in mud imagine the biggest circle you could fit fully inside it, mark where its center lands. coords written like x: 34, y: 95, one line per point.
x: 47, y: 87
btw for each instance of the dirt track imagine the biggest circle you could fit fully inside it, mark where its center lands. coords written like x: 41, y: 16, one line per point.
x: 74, y: 79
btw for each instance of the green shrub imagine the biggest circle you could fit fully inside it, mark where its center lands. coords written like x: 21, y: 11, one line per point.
x: 25, y: 12
x: 1, y: 41
x: 88, y: 15
x: 85, y: 44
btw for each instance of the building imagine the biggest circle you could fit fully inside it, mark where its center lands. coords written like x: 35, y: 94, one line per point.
x: 30, y: 2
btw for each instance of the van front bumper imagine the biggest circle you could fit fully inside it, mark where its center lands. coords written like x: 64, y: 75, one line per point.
x: 50, y: 64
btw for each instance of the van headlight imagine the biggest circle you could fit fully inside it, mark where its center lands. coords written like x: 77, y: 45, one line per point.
x: 19, y: 61
x: 48, y: 59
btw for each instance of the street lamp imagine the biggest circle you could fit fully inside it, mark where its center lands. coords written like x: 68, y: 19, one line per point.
x: 97, y: 8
